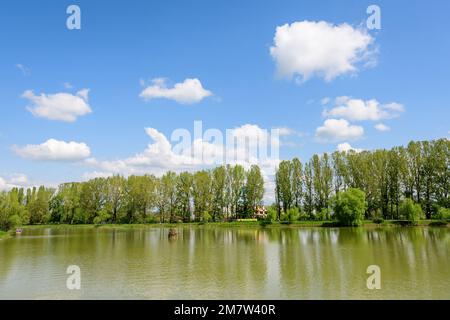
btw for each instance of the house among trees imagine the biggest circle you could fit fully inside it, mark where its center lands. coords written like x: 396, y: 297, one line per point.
x: 260, y: 212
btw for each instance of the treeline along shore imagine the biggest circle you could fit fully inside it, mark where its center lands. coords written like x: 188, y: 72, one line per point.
x: 405, y: 183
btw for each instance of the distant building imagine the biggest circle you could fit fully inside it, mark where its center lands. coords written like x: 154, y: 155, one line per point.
x: 260, y: 212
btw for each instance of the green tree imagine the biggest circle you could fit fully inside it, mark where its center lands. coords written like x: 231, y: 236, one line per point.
x: 237, y: 186
x: 115, y: 196
x: 297, y: 183
x: 12, y: 212
x: 411, y: 211
x: 140, y: 195
x: 309, y: 190
x: 201, y: 193
x: 184, y: 193
x: 37, y: 204
x: 349, y: 207
x: 92, y: 198
x: 254, y: 190
x: 168, y: 194
x: 284, y: 184
x: 219, y: 180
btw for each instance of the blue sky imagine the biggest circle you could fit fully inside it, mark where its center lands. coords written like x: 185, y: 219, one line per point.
x: 226, y: 46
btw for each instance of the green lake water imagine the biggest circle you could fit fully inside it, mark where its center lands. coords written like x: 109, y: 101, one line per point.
x: 206, y: 262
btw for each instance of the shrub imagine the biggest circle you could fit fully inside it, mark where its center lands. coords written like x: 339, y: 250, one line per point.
x: 411, y: 211
x: 442, y: 214
x: 293, y: 214
x: 14, y: 221
x: 378, y: 220
x: 151, y: 218
x: 205, y: 217
x: 404, y: 223
x: 271, y: 214
x: 102, y: 217
x: 303, y: 216
x: 284, y: 218
x: 349, y: 207
x: 439, y: 223
x: 265, y: 222
x: 322, y: 215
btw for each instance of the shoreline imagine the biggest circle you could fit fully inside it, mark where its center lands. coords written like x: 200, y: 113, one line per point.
x: 235, y: 224
x: 368, y: 224
x: 5, y: 235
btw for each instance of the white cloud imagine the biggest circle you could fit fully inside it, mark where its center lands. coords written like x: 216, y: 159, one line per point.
x: 68, y: 85
x: 25, y: 71
x: 394, y: 106
x: 17, y: 180
x: 308, y: 48
x: 338, y: 130
x: 285, y: 131
x: 59, y: 106
x: 160, y: 155
x: 382, y: 127
x: 359, y: 110
x: 96, y: 174
x: 187, y: 92
x: 3, y: 185
x: 325, y: 101
x: 54, y: 150
x: 345, y: 147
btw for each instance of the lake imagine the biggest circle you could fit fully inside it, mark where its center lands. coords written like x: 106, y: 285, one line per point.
x: 210, y: 262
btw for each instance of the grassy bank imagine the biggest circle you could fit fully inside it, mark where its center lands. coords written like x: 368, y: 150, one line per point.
x: 234, y: 224
x: 4, y: 235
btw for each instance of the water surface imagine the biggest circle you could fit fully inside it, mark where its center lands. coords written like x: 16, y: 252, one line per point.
x: 205, y: 262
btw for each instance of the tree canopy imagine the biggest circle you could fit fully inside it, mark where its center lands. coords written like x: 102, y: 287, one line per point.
x: 401, y: 183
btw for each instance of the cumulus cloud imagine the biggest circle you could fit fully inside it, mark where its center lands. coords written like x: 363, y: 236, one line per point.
x: 325, y: 101
x: 345, y: 147
x: 359, y: 110
x: 285, y: 131
x: 96, y: 174
x: 338, y: 130
x: 59, y: 106
x: 189, y: 91
x: 382, y: 127
x: 16, y: 180
x: 25, y: 70
x: 54, y: 150
x: 308, y: 48
x: 193, y: 154
x: 19, y: 179
x: 208, y: 151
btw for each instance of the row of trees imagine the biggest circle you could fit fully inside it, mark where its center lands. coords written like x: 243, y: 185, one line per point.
x: 222, y: 193
x: 420, y: 172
